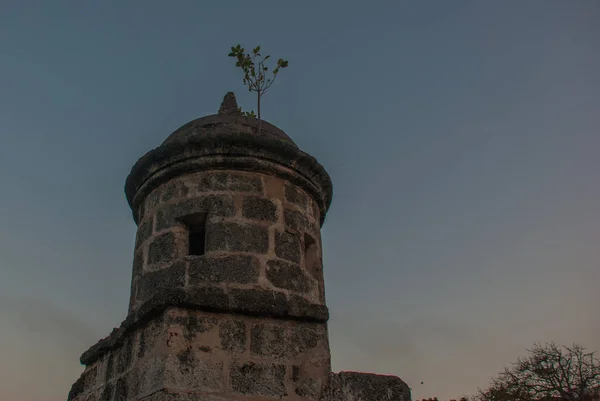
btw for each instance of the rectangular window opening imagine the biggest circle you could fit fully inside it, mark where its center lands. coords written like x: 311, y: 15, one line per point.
x: 196, y: 225
x: 197, y: 240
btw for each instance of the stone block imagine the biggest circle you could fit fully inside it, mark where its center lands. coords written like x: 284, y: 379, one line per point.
x: 259, y: 209
x: 153, y: 282
x: 364, y: 386
x: 162, y: 249
x: 152, y: 200
x: 258, y: 379
x: 232, y: 334
x: 309, y: 387
x: 186, y: 371
x: 296, y: 196
x: 299, y: 306
x: 223, y: 181
x: 153, y: 377
x: 172, y: 190
x: 268, y: 340
x: 150, y: 336
x: 210, y: 297
x: 287, y: 246
x: 193, y: 325
x: 288, y: 276
x: 240, y: 269
x: 213, y: 205
x: 295, y: 221
x: 304, y: 338
x: 144, y: 232
x: 237, y: 237
x: 259, y: 302
x: 138, y: 263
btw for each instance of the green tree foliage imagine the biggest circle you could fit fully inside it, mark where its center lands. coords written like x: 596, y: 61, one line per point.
x: 256, y: 74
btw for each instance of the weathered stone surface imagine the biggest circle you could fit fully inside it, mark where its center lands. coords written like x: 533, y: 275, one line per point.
x: 152, y: 200
x: 213, y: 205
x: 364, y: 386
x: 186, y: 371
x: 156, y: 281
x: 151, y: 334
x: 183, y: 395
x: 259, y: 302
x: 268, y: 340
x: 288, y: 276
x: 233, y: 336
x: 124, y: 356
x: 162, y: 249
x: 295, y: 221
x: 241, y: 269
x: 109, y: 373
x: 138, y: 263
x: 172, y: 190
x: 193, y: 325
x: 259, y: 209
x: 309, y: 388
x: 193, y: 147
x: 85, y: 382
x: 152, y: 375
x: 287, y: 246
x: 107, y: 393
x: 251, y: 302
x: 258, y: 379
x: 229, y: 106
x: 304, y: 337
x: 121, y: 390
x: 237, y: 237
x: 294, y: 195
x: 298, y: 306
x: 223, y: 181
x: 144, y: 232
x: 138, y: 266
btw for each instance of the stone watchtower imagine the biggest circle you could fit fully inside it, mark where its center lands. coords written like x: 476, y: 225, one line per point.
x: 227, y: 294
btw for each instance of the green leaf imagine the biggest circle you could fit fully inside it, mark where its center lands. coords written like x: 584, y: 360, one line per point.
x: 256, y: 50
x: 266, y: 58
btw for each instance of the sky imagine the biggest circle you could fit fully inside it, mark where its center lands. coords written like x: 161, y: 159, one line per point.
x: 461, y: 138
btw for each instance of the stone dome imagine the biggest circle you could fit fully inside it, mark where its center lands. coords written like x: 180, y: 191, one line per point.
x: 228, y: 140
x: 229, y: 119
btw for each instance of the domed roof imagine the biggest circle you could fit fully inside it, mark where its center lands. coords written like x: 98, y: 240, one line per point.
x: 227, y: 140
x: 228, y: 120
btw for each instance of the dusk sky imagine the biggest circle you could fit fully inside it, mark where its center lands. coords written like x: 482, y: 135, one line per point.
x: 462, y: 139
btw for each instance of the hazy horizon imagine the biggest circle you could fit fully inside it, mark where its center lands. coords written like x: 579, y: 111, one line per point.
x: 461, y: 138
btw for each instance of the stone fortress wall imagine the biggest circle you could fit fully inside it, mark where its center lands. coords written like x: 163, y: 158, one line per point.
x: 227, y: 296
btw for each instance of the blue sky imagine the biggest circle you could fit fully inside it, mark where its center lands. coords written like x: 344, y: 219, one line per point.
x: 461, y: 137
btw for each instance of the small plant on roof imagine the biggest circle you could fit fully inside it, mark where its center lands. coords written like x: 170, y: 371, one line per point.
x: 255, y: 74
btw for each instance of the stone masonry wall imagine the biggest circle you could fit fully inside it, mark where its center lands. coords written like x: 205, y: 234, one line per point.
x: 192, y: 355
x: 261, y: 232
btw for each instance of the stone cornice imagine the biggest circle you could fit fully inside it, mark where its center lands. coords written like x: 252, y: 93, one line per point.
x: 228, y: 150
x: 250, y: 302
